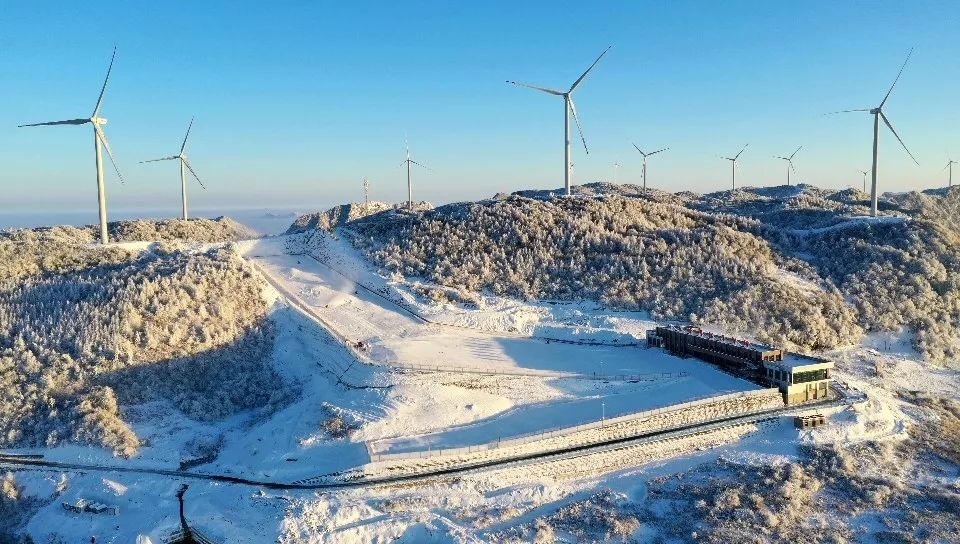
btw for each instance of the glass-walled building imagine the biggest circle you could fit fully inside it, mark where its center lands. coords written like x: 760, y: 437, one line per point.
x: 800, y: 378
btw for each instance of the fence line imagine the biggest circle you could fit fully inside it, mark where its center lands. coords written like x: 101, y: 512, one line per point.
x: 648, y: 376
x: 555, y: 432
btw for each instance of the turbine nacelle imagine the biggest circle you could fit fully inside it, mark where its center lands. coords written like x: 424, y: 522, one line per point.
x: 98, y: 121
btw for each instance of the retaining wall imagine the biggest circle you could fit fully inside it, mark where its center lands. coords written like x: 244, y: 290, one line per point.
x: 666, y: 418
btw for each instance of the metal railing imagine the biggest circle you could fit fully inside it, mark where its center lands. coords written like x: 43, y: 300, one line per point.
x: 495, y: 371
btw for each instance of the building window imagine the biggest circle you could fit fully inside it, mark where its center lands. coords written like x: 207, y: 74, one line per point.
x: 810, y: 376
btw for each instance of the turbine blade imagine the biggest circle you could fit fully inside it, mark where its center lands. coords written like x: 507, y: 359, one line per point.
x: 182, y: 147
x: 792, y: 167
x: 170, y: 158
x: 794, y: 154
x: 106, y: 145
x: 638, y: 149
x: 947, y: 166
x: 576, y: 118
x: 659, y: 150
x: 420, y: 165
x: 897, y: 79
x: 887, y: 122
x: 103, y: 89
x: 67, y: 122
x: 195, y: 176
x: 737, y: 156
x: 544, y: 89
x: 579, y: 79
x: 846, y: 111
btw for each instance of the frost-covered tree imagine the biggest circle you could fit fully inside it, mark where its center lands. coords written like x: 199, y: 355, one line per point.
x: 90, y: 329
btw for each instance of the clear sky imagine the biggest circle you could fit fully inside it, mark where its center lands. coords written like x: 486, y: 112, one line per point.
x: 296, y: 102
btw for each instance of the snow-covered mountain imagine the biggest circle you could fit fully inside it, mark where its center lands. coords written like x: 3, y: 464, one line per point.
x: 477, y: 373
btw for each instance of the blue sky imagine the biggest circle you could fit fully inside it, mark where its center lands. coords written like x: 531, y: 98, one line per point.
x: 297, y: 101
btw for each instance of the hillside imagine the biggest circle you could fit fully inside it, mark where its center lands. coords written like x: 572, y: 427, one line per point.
x: 86, y: 329
x: 221, y: 229
x: 340, y: 215
x: 795, y: 265
x: 628, y: 253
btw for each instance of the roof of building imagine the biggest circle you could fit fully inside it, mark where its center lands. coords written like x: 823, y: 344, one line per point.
x: 799, y: 361
x: 697, y: 331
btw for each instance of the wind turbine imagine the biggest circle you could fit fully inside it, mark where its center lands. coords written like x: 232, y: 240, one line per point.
x: 408, y: 162
x: 184, y: 166
x: 366, y: 191
x: 99, y: 142
x: 877, y: 113
x: 949, y: 166
x: 864, y: 172
x: 733, y: 165
x: 790, y: 163
x: 645, y: 155
x: 616, y: 171
x: 568, y: 108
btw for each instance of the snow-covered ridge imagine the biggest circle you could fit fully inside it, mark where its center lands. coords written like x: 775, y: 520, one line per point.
x: 806, y: 248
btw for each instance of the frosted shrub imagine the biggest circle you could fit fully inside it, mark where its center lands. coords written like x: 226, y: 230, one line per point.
x: 15, y: 509
x: 720, y: 264
x: 74, y: 344
x: 627, y: 253
x: 334, y: 217
x: 604, y: 517
x: 898, y: 274
x: 221, y: 229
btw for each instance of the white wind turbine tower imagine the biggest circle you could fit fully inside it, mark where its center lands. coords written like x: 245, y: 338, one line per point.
x: 949, y: 167
x: 864, y: 172
x: 733, y: 165
x: 366, y: 191
x: 877, y: 113
x: 99, y: 142
x: 790, y: 162
x: 645, y: 155
x: 184, y: 166
x: 408, y: 162
x: 568, y: 108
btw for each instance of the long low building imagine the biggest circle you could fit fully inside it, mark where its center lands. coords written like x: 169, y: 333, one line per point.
x: 800, y: 378
x: 742, y: 357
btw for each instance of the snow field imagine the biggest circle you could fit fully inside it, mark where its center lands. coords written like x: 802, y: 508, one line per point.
x: 476, y: 419
x: 697, y: 412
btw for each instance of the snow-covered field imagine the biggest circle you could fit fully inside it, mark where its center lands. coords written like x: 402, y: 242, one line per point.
x: 468, y: 375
